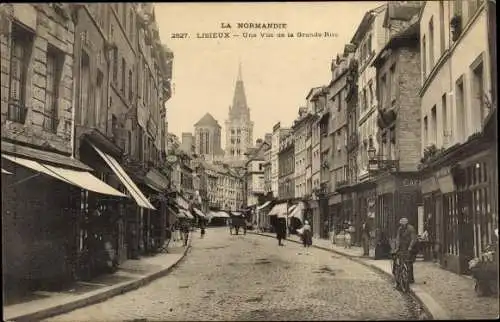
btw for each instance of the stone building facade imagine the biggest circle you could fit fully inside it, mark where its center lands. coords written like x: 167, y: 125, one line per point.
x: 458, y: 128
x: 36, y: 125
x: 394, y: 167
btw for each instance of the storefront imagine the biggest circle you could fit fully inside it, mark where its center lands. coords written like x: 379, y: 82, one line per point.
x: 460, y: 191
x: 398, y: 196
x: 50, y: 247
x: 335, y: 212
x: 366, y: 206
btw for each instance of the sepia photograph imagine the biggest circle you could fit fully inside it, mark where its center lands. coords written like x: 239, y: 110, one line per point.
x: 249, y: 161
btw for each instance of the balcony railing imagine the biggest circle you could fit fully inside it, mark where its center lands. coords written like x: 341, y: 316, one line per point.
x: 342, y: 183
x: 17, y: 113
x: 50, y: 123
x: 383, y: 163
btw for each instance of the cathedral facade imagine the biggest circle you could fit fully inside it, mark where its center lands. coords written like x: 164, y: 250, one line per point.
x: 239, y: 127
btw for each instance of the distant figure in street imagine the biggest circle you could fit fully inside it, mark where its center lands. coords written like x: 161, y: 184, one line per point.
x: 365, y: 238
x: 202, y: 229
x: 347, y: 235
x: 306, y: 234
x: 185, y: 232
x: 280, y: 230
x: 405, y: 243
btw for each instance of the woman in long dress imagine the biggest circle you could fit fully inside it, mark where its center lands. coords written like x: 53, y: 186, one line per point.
x: 306, y: 234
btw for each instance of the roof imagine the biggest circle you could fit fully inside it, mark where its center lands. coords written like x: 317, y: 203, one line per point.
x: 313, y: 91
x: 365, y: 22
x: 410, y: 33
x: 401, y: 11
x: 207, y: 120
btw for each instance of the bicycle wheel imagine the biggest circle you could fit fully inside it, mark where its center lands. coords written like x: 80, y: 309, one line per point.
x: 404, y: 278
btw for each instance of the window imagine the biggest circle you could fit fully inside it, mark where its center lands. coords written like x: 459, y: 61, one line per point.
x: 370, y: 88
x: 424, y: 61
x: 123, y: 76
x: 457, y: 7
x: 19, y: 62
x: 392, y: 85
x: 98, y: 97
x: 130, y: 92
x: 365, y: 102
x: 478, y: 90
x: 115, y: 65
x: 129, y: 143
x: 382, y: 90
x: 369, y: 44
x: 50, y: 121
x: 131, y: 25
x: 426, y: 133
x: 431, y: 43
x: 444, y: 115
x: 460, y: 104
x: 473, y: 6
x: 434, y: 124
x: 84, y: 88
x: 441, y: 27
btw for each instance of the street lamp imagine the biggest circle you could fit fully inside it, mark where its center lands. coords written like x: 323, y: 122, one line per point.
x: 371, y: 152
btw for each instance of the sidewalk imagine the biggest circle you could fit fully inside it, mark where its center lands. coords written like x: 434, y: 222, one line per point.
x: 445, y: 295
x: 131, y: 274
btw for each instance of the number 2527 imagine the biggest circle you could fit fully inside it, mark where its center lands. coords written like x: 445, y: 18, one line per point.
x: 179, y: 35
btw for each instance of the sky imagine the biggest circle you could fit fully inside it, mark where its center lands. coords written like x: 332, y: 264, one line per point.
x: 277, y: 72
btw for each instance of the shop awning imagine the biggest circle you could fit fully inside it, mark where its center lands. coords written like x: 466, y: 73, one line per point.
x: 222, y: 214
x: 264, y: 205
x: 156, y: 180
x: 181, y: 202
x: 291, y: 208
x: 298, y: 212
x: 236, y: 213
x: 199, y: 212
x: 132, y: 188
x: 187, y: 213
x: 6, y: 172
x: 82, y: 179
x: 279, y: 210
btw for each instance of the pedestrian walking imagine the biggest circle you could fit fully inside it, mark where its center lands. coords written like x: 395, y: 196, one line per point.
x: 280, y: 230
x: 365, y: 238
x: 306, y: 234
x: 185, y: 232
x: 202, y: 229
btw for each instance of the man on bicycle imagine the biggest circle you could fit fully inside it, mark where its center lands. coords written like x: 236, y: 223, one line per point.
x: 405, y: 243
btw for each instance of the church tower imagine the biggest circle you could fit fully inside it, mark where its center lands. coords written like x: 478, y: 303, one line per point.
x: 239, y: 127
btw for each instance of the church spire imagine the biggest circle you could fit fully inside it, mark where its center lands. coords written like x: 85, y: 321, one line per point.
x: 240, y: 77
x: 239, y: 108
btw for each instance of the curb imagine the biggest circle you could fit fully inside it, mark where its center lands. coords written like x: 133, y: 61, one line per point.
x: 431, y: 308
x: 99, y: 297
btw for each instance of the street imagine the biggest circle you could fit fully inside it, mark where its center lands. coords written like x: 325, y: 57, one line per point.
x: 250, y: 277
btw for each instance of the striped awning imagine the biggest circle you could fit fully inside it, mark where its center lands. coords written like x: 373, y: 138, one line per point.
x: 222, y: 214
x: 264, y: 205
x: 6, y: 172
x: 187, y: 213
x: 199, y: 212
x: 298, y: 212
x: 81, y: 179
x: 279, y: 210
x: 124, y: 178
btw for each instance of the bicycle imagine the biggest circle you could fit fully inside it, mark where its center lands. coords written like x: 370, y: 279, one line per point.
x: 400, y: 270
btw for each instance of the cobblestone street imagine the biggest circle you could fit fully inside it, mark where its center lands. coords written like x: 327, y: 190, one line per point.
x: 250, y: 278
